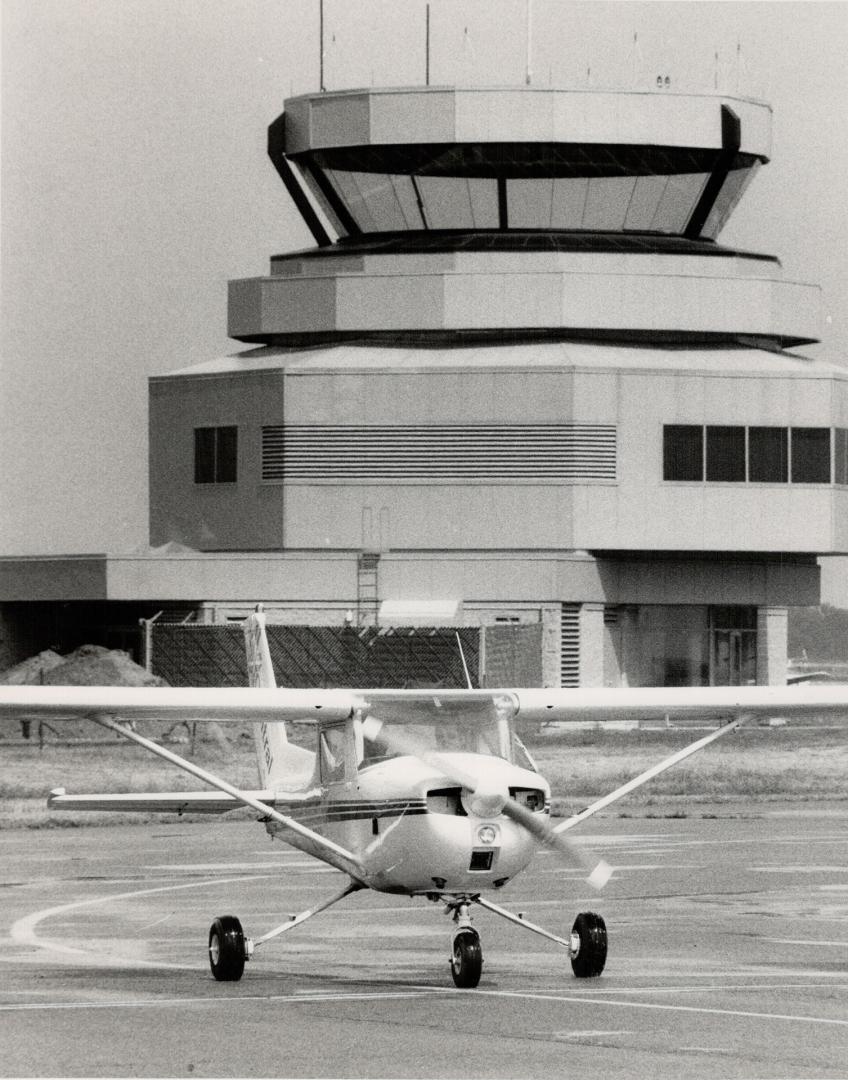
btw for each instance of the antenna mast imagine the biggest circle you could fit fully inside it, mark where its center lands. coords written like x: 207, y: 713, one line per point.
x: 528, y: 76
x: 427, y: 46
x: 321, y: 44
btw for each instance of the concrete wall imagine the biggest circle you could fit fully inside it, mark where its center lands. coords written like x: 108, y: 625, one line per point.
x: 595, y: 292
x: 488, y: 584
x: 483, y: 114
x: 637, y: 511
x: 244, y: 515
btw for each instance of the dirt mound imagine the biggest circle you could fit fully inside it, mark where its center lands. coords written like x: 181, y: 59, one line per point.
x: 89, y: 665
x: 93, y: 665
x: 33, y: 671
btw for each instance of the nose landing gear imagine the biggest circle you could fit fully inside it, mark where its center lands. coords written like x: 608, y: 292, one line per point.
x: 466, y: 958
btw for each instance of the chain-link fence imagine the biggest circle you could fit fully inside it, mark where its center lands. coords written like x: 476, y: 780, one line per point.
x: 325, y: 656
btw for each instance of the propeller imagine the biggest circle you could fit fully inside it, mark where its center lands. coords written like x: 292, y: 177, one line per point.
x: 485, y: 797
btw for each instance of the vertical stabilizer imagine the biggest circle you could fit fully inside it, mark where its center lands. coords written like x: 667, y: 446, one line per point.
x: 260, y: 670
x: 271, y: 741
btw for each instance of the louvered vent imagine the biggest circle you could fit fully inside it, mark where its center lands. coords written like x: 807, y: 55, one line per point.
x: 569, y: 672
x: 445, y: 453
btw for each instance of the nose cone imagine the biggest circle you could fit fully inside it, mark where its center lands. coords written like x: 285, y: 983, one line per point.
x: 488, y: 798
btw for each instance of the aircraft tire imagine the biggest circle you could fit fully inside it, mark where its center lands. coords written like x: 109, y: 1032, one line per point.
x: 466, y: 959
x: 226, y: 949
x: 592, y: 954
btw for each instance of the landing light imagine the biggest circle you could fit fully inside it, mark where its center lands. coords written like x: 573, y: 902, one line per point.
x: 487, y: 834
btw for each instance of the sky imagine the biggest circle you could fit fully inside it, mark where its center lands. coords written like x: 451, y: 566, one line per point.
x: 135, y: 184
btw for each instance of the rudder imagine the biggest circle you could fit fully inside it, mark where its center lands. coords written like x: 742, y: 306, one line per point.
x: 271, y: 740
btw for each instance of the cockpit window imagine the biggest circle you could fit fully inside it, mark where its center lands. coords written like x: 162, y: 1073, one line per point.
x: 430, y: 726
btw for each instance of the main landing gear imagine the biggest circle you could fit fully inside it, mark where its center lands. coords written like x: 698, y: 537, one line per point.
x: 229, y: 949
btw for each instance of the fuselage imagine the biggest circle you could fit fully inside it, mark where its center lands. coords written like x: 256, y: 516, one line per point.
x: 414, y: 830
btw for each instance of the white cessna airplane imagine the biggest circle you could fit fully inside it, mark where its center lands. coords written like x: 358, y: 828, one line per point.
x: 417, y: 792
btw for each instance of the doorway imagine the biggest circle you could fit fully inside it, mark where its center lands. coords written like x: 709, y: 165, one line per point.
x: 733, y: 640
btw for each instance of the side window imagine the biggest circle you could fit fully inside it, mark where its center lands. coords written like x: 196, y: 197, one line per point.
x: 841, y: 456
x: 683, y: 452
x: 768, y: 455
x: 761, y: 455
x: 333, y: 752
x: 215, y: 455
x: 726, y: 454
x: 811, y: 455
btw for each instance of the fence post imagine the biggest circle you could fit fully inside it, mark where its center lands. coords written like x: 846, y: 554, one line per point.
x: 147, y: 642
x: 481, y: 656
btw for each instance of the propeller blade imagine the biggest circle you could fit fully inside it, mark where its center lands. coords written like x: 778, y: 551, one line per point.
x: 599, y: 871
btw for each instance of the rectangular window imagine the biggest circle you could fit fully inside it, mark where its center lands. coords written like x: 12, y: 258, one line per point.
x: 215, y: 455
x: 683, y: 452
x: 810, y: 455
x: 726, y: 454
x: 768, y: 455
x: 841, y: 452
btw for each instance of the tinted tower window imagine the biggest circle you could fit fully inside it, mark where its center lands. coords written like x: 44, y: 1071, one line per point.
x: 811, y: 455
x: 841, y: 455
x: 726, y: 453
x: 683, y: 452
x: 215, y: 455
x: 768, y: 455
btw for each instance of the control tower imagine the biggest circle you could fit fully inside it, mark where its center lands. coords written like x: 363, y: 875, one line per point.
x: 519, y: 379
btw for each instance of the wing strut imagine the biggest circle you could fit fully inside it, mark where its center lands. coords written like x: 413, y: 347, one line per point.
x: 648, y: 774
x: 334, y: 854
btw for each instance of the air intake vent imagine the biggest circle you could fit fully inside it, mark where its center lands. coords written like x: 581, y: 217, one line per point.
x: 481, y: 860
x: 570, y: 646
x: 569, y: 453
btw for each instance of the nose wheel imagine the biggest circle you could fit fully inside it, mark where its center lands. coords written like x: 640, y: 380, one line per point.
x: 466, y: 958
x: 466, y: 955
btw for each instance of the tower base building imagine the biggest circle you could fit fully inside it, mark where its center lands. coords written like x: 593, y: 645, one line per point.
x: 516, y: 380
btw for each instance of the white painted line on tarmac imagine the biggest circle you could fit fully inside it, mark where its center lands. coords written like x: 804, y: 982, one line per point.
x: 758, y: 986
x: 634, y: 867
x: 703, y: 1010
x: 801, y: 868
x: 229, y: 1002
x: 807, y: 941
x: 23, y: 931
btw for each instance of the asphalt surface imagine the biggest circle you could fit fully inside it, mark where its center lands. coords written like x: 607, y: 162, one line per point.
x: 728, y: 958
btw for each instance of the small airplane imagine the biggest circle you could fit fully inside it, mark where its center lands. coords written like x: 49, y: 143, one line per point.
x: 425, y: 793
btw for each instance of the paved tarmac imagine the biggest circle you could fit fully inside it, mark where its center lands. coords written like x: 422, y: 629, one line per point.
x: 728, y: 958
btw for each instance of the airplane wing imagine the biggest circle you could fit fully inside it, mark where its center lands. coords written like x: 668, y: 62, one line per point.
x: 731, y: 706
x: 253, y: 704
x: 679, y: 702
x: 219, y: 704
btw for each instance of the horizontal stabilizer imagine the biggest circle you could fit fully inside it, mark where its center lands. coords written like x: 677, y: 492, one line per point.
x: 172, y: 802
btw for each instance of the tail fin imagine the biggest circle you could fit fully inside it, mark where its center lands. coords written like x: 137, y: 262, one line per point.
x: 271, y: 740
x: 260, y: 670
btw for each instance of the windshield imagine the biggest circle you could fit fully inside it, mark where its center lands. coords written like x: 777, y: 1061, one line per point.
x: 431, y: 725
